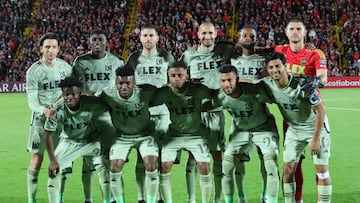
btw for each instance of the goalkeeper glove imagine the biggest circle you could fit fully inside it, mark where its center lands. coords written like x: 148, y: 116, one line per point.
x: 310, y: 84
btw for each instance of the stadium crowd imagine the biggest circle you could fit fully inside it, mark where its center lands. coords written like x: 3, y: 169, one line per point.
x: 348, y: 13
x: 73, y: 21
x: 177, y: 23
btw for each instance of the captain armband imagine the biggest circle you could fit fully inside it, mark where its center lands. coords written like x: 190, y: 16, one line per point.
x: 314, y: 98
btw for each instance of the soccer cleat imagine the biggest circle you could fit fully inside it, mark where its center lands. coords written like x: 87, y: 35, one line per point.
x: 141, y: 201
x: 242, y: 200
x: 160, y: 201
x: 88, y: 201
x: 264, y: 199
x: 299, y: 201
x: 191, y: 201
x: 113, y: 201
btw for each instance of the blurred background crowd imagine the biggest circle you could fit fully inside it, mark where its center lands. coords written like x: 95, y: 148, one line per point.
x: 333, y: 26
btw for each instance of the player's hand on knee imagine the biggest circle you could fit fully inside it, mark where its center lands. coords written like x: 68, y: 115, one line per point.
x: 53, y: 169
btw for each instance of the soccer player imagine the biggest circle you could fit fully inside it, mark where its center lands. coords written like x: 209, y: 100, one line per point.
x: 150, y: 67
x: 96, y: 69
x: 308, y: 125
x: 202, y: 64
x: 301, y: 61
x: 252, y: 124
x: 129, y: 106
x: 42, y: 80
x: 81, y: 118
x: 186, y: 131
x: 250, y: 65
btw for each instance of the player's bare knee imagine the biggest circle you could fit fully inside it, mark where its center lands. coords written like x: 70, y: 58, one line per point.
x: 36, y: 161
x: 204, y: 168
x: 166, y: 167
x: 116, y: 165
x: 150, y: 163
x: 289, y: 170
x: 321, y: 168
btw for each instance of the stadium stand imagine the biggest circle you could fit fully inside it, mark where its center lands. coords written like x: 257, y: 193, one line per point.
x: 73, y: 21
x: 13, y: 17
x: 333, y: 26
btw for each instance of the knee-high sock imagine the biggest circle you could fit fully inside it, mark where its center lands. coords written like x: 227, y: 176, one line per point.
x: 104, y: 181
x: 53, y: 189
x: 240, y: 171
x: 289, y: 192
x: 87, y: 181
x: 263, y: 174
x: 228, y: 167
x: 217, y: 171
x: 152, y: 185
x: 117, y: 187
x: 191, y: 178
x: 273, y: 182
x: 325, y: 192
x: 299, y: 179
x: 62, y: 186
x: 32, y: 183
x: 165, y: 187
x: 140, y: 179
x: 206, y: 185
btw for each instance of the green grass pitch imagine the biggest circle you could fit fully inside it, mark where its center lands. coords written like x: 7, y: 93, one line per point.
x: 343, y: 109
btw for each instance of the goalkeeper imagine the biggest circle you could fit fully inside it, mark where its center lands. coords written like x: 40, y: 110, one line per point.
x: 305, y: 62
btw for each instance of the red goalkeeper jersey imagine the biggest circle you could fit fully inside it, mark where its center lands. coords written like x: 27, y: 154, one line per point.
x: 304, y: 62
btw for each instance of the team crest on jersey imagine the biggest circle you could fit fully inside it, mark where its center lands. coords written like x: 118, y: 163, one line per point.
x: 292, y: 99
x: 249, y: 106
x: 159, y: 61
x: 87, y: 68
x: 86, y: 116
x: 303, y: 61
x: 62, y: 74
x: 108, y: 68
x: 46, y: 78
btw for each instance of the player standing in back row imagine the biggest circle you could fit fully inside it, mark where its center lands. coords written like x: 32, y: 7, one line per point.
x: 150, y: 66
x: 250, y: 65
x: 301, y: 61
x: 203, y: 64
x: 96, y: 69
x: 42, y: 80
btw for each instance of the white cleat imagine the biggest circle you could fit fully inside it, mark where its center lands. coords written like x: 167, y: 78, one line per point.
x: 264, y: 199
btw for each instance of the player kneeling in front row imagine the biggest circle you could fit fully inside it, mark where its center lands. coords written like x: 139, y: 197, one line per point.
x: 305, y: 114
x: 251, y: 124
x: 129, y: 106
x: 186, y: 131
x: 80, y: 118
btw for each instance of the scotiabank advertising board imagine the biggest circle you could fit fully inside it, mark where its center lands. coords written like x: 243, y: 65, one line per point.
x: 343, y: 82
x: 333, y: 82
